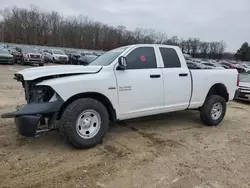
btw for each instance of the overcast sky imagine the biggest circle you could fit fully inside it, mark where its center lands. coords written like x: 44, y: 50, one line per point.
x: 209, y: 20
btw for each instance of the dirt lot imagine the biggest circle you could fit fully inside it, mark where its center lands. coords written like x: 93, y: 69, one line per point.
x: 170, y: 150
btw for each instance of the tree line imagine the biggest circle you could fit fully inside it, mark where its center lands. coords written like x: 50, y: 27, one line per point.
x: 32, y: 26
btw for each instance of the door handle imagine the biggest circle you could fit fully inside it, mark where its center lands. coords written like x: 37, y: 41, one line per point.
x: 155, y: 76
x: 183, y: 74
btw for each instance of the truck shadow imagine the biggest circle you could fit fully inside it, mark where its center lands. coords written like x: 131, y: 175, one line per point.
x: 183, y: 120
x: 242, y: 102
x: 173, y: 119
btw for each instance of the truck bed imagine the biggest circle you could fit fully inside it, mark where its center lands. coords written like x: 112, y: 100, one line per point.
x: 203, y: 80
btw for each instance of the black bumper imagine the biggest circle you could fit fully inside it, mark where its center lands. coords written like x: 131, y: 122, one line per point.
x: 28, y: 117
x: 27, y: 125
x: 241, y: 95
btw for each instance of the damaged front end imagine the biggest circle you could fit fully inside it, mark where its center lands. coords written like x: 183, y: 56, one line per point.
x: 40, y: 112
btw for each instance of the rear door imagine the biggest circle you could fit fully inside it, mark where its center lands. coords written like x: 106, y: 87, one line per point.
x: 140, y: 86
x: 176, y: 79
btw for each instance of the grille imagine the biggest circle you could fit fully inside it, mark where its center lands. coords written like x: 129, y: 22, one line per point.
x: 243, y: 95
x: 63, y: 58
x: 35, y: 56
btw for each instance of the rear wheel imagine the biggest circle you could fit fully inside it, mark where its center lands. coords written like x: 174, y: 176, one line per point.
x: 213, y: 110
x: 41, y: 64
x: 84, y: 123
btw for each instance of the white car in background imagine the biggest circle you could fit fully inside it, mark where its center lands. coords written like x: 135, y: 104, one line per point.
x: 243, y: 92
x: 56, y: 56
x: 246, y: 67
x: 212, y: 65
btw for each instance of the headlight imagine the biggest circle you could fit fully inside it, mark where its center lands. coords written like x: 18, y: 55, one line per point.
x: 42, y: 94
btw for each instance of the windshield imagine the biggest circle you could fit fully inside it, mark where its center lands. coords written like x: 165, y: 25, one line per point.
x: 28, y: 50
x: 3, y: 51
x: 245, y: 77
x: 58, y: 52
x: 107, y: 58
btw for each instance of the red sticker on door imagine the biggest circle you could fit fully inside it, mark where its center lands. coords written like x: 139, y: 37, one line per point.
x: 143, y: 59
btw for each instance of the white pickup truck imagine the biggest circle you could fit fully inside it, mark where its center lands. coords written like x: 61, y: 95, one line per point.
x: 127, y: 82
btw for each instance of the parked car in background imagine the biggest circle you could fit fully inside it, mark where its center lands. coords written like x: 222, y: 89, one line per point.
x: 82, y: 60
x: 45, y: 54
x: 73, y: 56
x: 225, y: 65
x: 91, y: 58
x: 212, y: 65
x: 246, y: 69
x: 241, y: 69
x: 99, y: 53
x: 245, y: 65
x: 30, y: 56
x: 243, y: 92
x: 233, y: 66
x: 57, y: 56
x: 16, y: 52
x: 6, y: 57
x: 86, y: 59
x: 195, y: 65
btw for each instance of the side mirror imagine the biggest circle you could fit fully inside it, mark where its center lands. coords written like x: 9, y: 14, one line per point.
x: 122, y: 62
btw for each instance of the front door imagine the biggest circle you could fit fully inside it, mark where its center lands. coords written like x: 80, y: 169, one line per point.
x: 140, y: 86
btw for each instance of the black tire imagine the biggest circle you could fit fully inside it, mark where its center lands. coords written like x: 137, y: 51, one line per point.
x: 205, y: 111
x: 41, y: 64
x: 22, y: 62
x: 69, y: 119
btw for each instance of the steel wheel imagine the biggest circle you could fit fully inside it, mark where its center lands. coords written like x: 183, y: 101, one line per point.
x: 216, y: 111
x: 88, y: 124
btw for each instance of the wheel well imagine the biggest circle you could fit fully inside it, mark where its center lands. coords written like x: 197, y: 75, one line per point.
x: 219, y: 89
x: 97, y: 96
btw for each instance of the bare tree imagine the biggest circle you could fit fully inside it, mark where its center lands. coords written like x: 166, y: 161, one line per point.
x: 194, y: 45
x: 32, y: 26
x: 204, y: 49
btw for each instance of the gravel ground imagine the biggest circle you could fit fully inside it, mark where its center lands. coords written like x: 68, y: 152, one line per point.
x: 170, y: 150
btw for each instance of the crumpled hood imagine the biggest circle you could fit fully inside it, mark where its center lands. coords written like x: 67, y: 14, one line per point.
x: 40, y: 72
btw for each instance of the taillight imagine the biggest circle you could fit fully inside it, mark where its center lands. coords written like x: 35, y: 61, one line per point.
x: 238, y: 80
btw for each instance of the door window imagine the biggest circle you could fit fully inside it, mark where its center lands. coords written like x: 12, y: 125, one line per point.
x: 141, y: 58
x: 170, y: 58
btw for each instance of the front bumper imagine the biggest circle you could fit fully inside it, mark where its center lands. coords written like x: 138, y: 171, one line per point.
x: 27, y: 125
x: 7, y: 61
x: 242, y: 95
x: 33, y: 61
x: 28, y: 117
x: 61, y: 60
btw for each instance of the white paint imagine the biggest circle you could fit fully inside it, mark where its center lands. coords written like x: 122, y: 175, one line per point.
x: 142, y: 96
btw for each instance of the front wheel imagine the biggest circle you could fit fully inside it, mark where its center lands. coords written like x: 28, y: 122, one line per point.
x: 213, y: 110
x: 84, y: 123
